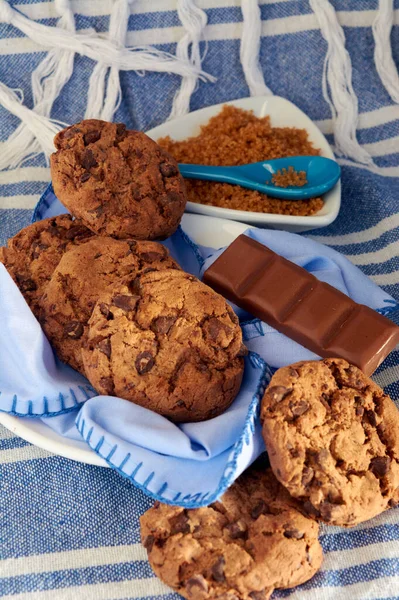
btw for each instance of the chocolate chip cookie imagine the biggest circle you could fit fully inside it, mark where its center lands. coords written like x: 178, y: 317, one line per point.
x: 82, y: 275
x: 333, y: 440
x: 119, y: 182
x: 32, y: 255
x: 168, y: 342
x: 251, y: 542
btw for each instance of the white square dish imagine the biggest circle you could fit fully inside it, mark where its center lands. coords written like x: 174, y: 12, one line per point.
x: 283, y: 114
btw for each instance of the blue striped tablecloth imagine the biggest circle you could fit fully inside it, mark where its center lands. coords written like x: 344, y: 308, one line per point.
x: 69, y: 530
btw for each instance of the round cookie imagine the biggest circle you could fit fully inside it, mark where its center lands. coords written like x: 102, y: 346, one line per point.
x: 32, y: 255
x: 168, y: 342
x: 244, y: 546
x: 81, y: 276
x: 119, y: 182
x: 333, y: 440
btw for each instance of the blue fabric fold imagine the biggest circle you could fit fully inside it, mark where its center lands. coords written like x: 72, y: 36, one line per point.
x: 188, y: 464
x: 33, y: 382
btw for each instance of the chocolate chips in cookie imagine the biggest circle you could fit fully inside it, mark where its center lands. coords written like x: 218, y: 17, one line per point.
x: 333, y: 440
x: 119, y: 182
x: 250, y: 542
x: 81, y: 276
x: 33, y: 254
x: 166, y: 341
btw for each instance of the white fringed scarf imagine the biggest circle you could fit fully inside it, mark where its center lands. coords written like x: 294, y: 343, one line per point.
x: 384, y: 64
x: 36, y: 130
x: 337, y: 84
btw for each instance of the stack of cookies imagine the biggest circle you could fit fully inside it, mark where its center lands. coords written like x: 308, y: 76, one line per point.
x: 332, y: 438
x: 111, y: 300
x: 117, y: 307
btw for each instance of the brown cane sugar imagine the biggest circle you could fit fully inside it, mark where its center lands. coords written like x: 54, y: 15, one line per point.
x: 289, y: 177
x: 236, y: 137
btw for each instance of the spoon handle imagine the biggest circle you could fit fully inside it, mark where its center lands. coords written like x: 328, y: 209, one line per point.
x: 226, y: 174
x: 322, y: 174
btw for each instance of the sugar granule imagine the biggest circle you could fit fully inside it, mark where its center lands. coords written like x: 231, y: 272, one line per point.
x: 289, y: 177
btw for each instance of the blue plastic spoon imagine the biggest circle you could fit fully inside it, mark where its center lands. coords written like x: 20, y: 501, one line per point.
x: 321, y: 174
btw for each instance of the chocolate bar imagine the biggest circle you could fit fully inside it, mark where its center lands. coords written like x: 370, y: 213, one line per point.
x: 296, y: 303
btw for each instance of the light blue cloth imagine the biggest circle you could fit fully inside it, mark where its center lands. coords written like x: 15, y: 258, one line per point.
x: 189, y: 464
x: 32, y: 381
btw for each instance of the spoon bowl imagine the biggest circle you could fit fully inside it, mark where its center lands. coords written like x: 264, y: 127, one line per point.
x: 321, y: 175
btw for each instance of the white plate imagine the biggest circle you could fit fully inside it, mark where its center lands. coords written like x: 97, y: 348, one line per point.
x: 207, y: 231
x: 283, y: 114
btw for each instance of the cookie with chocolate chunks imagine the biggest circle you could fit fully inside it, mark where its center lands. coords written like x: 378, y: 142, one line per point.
x: 81, y: 276
x: 32, y: 255
x: 119, y: 182
x: 333, y: 440
x: 244, y: 546
x: 168, y: 342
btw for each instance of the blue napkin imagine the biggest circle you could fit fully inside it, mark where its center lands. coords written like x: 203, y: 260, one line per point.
x: 188, y: 464
x: 32, y: 380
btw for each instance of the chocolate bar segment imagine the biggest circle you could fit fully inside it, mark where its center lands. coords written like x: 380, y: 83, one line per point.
x: 296, y: 303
